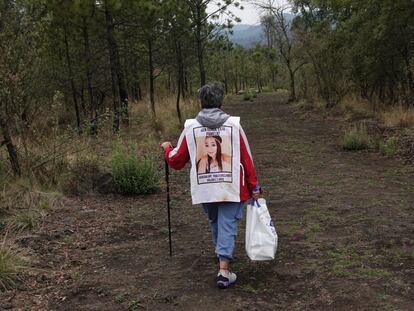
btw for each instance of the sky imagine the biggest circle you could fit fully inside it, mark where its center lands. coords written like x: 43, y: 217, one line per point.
x: 250, y: 15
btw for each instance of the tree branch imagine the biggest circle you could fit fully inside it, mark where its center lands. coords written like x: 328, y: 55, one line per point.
x: 299, y: 66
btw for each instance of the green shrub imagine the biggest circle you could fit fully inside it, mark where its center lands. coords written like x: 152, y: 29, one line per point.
x: 390, y: 147
x: 133, y: 174
x: 134, y: 304
x: 357, y: 138
x: 247, y: 96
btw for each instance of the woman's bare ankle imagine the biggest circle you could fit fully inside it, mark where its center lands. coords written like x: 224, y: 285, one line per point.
x: 224, y: 266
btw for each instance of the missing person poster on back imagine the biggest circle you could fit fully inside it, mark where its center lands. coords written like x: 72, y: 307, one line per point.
x: 214, y: 154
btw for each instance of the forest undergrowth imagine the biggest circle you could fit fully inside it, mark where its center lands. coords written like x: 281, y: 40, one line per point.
x: 58, y: 162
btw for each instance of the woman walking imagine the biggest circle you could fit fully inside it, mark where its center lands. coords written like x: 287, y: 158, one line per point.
x: 222, y: 174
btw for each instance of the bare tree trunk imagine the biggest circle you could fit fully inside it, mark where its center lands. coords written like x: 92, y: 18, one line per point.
x: 123, y: 92
x: 199, y: 45
x: 410, y: 77
x: 14, y: 160
x: 151, y: 77
x: 139, y: 90
x: 180, y: 64
x: 183, y: 80
x: 116, y: 69
x: 93, y: 114
x: 292, y: 96
x: 381, y: 92
x: 235, y: 85
x: 135, y: 85
x: 180, y: 79
x: 305, y: 85
x: 125, y: 68
x: 177, y: 105
x: 236, y: 77
x: 112, y: 59
x: 283, y: 41
x: 200, y: 57
x: 186, y: 85
x: 82, y: 98
x: 71, y: 80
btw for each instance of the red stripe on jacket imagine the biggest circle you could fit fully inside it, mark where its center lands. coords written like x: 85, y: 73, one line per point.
x: 248, y: 179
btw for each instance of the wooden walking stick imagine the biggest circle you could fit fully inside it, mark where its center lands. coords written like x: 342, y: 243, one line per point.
x: 167, y: 175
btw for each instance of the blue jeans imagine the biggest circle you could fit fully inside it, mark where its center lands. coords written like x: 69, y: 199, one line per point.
x: 224, y: 218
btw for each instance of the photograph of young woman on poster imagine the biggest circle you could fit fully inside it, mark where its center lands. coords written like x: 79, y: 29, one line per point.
x: 213, y: 159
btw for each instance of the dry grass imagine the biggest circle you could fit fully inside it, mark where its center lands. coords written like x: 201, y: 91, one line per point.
x: 355, y: 107
x: 147, y: 132
x: 398, y: 117
x: 13, y: 262
x: 22, y: 205
x: 53, y: 156
x: 166, y: 122
x: 20, y: 195
x: 79, y: 177
x: 307, y: 105
x: 49, y: 150
x: 24, y: 220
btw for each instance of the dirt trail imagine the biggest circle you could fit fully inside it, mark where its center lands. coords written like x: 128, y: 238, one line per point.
x: 344, y: 219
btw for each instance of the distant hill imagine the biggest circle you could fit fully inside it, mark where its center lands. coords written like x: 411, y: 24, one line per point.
x: 250, y: 35
x: 247, y: 35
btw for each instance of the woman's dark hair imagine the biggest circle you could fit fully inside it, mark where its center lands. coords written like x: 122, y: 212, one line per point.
x: 218, y: 153
x: 211, y: 95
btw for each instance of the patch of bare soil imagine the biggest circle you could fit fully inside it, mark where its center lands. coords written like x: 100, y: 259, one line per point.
x: 344, y: 219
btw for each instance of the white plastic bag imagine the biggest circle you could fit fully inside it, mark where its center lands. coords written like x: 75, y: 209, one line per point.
x: 261, y: 236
